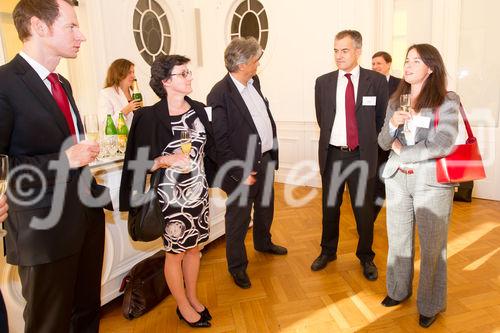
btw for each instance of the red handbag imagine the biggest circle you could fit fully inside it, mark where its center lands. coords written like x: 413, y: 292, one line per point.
x: 464, y: 163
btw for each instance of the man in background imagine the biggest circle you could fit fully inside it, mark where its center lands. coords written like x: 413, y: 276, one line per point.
x: 59, y: 256
x: 350, y: 109
x: 381, y: 62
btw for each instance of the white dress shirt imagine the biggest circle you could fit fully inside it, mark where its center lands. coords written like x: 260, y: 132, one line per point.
x: 338, y: 136
x: 258, y: 111
x: 43, y: 73
x: 111, y: 101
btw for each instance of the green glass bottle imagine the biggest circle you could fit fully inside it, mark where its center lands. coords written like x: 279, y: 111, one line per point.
x: 122, y: 131
x: 109, y: 144
x: 110, y: 126
x: 136, y: 94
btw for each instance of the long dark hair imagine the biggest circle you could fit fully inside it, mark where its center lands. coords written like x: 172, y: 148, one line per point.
x: 433, y: 90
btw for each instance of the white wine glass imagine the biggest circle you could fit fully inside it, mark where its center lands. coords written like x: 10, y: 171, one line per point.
x: 186, y: 142
x: 91, y: 124
x: 4, y: 180
x: 405, y: 103
x: 186, y: 145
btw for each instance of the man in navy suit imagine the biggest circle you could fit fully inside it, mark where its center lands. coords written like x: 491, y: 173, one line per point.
x: 350, y: 109
x: 57, y: 240
x: 381, y: 62
x: 245, y: 132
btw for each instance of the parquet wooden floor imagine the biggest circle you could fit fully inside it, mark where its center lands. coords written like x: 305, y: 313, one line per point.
x: 286, y: 296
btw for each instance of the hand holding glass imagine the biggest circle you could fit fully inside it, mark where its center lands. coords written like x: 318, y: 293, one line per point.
x: 405, y: 103
x: 4, y: 180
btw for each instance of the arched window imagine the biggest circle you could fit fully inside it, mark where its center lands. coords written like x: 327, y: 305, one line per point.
x: 151, y: 30
x: 250, y: 19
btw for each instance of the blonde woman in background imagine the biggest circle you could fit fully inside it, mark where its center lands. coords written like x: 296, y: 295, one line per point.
x: 116, y: 96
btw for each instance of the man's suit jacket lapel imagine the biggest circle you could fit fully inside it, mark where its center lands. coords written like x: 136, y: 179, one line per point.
x: 363, y: 86
x: 240, y: 103
x: 72, y: 102
x: 330, y: 104
x: 39, y: 89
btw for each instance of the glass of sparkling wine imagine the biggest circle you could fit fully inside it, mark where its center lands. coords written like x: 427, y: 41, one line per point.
x: 186, y: 144
x: 405, y: 103
x: 91, y: 127
x: 4, y: 170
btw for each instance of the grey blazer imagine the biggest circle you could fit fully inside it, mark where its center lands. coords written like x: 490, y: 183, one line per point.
x: 430, y: 143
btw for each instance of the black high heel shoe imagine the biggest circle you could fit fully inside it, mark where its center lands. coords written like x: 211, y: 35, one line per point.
x: 200, y: 323
x: 205, y: 314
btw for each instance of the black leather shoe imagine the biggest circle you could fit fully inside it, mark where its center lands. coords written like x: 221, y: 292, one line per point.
x: 241, y: 279
x: 369, y: 270
x: 426, y: 321
x: 388, y: 302
x: 200, y: 323
x: 205, y: 314
x: 275, y: 249
x: 322, y: 260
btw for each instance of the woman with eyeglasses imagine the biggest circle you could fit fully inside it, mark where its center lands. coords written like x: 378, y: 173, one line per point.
x: 184, y: 162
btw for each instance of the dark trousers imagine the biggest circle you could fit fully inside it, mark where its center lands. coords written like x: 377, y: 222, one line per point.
x: 261, y: 198
x: 379, y: 193
x: 331, y: 206
x: 64, y: 296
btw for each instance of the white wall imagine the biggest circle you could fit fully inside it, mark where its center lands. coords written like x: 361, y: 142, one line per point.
x: 300, y: 48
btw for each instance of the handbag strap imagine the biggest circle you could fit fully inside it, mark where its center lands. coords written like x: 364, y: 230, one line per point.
x: 470, y: 136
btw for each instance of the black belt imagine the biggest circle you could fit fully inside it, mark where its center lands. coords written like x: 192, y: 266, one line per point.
x: 344, y: 148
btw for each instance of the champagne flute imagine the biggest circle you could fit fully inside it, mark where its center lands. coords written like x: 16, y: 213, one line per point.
x: 91, y: 127
x: 405, y: 103
x: 186, y: 145
x: 186, y: 142
x: 4, y: 180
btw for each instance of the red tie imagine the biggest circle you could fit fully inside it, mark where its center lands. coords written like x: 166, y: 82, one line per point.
x: 350, y: 115
x: 62, y: 100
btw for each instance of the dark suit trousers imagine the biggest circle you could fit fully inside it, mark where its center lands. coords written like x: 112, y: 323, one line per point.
x: 64, y: 296
x: 331, y: 206
x: 261, y: 197
x: 379, y: 193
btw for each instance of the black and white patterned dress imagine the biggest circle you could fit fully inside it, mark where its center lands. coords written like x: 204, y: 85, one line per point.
x: 183, y: 196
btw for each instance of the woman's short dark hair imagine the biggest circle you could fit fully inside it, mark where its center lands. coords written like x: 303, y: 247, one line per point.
x: 117, y: 71
x: 161, y: 69
x: 433, y: 91
x: 46, y: 10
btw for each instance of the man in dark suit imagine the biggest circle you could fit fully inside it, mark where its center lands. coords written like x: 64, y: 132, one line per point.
x: 56, y: 239
x: 247, y: 153
x: 381, y: 62
x: 350, y: 108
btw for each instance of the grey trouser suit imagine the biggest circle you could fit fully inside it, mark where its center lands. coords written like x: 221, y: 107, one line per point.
x: 418, y: 201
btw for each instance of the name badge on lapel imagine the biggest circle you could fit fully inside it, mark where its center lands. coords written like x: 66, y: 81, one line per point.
x: 369, y: 100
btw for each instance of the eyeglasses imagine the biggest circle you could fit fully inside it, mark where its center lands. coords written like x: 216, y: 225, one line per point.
x: 184, y: 74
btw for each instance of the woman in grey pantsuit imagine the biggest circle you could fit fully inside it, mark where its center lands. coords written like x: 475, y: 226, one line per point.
x: 414, y: 197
